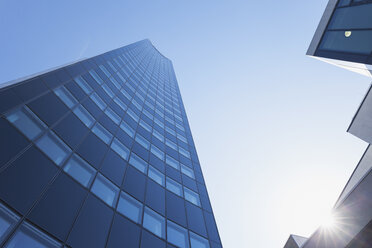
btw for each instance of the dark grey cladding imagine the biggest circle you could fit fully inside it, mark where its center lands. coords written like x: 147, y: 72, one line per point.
x: 321, y: 27
x: 361, y: 126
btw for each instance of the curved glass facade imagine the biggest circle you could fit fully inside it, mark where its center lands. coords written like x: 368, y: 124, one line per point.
x: 100, y: 154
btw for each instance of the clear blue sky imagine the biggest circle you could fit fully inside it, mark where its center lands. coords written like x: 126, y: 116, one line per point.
x: 269, y: 123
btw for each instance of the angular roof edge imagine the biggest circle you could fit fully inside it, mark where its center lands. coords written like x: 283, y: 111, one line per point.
x: 321, y: 27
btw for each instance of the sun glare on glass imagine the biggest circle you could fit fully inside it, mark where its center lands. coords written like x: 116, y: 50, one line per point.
x: 329, y: 221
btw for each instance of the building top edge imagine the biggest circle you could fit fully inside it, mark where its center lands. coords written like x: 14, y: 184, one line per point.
x: 24, y: 78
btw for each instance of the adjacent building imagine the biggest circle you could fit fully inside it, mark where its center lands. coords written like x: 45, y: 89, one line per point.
x: 344, y: 38
x: 99, y: 153
x: 295, y: 241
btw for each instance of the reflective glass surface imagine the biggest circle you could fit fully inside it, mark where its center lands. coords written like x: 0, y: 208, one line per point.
x: 102, y: 133
x: 130, y: 207
x: 112, y: 115
x: 96, y: 77
x: 116, y: 126
x: 80, y: 170
x: 105, y: 190
x: 53, y: 147
x: 191, y: 196
x: 177, y: 235
x: 138, y: 163
x: 84, y: 116
x: 29, y: 236
x: 154, y: 222
x: 187, y: 171
x: 7, y: 221
x: 98, y: 101
x: 65, y: 96
x: 156, y: 175
x: 174, y: 187
x: 83, y: 85
x: 142, y: 141
x: 120, y: 148
x: 198, y: 241
x: 172, y: 162
x: 348, y: 35
x: 126, y: 128
x: 27, y: 122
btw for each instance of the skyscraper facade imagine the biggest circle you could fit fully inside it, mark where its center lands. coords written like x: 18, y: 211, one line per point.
x: 99, y: 153
x: 344, y: 38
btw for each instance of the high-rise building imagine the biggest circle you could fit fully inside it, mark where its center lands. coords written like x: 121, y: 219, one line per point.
x: 99, y: 153
x: 344, y: 38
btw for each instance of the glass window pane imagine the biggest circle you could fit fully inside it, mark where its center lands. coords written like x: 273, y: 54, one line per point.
x: 142, y: 141
x: 29, y: 236
x: 171, y: 131
x: 174, y: 187
x: 180, y: 127
x: 154, y: 223
x: 83, y: 85
x: 356, y: 17
x: 158, y: 135
x: 53, y: 147
x: 111, y: 65
x: 65, y: 96
x: 115, y: 83
x: 138, y: 163
x: 191, y: 196
x: 100, y: 103
x: 169, y: 120
x: 145, y: 112
x: 157, y: 121
x: 137, y: 105
x: 177, y: 235
x: 172, y: 162
x: 80, y: 170
x: 184, y: 152
x: 120, y: 149
x: 157, y: 152
x: 112, y: 115
x: 94, y: 74
x: 105, y: 190
x: 198, y: 241
x: 126, y: 128
x: 108, y: 90
x: 27, y: 122
x: 180, y: 137
x: 133, y: 115
x: 130, y: 207
x: 125, y: 93
x: 171, y: 144
x: 344, y: 2
x: 156, y: 175
x: 102, y: 133
x: 120, y: 76
x: 145, y: 125
x: 103, y: 68
x: 120, y: 103
x: 8, y: 219
x: 359, y: 41
x: 187, y: 171
x: 84, y: 116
